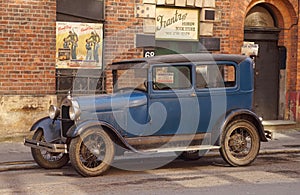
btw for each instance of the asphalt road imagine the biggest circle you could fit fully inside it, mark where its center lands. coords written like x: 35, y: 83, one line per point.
x: 275, y: 171
x: 269, y: 174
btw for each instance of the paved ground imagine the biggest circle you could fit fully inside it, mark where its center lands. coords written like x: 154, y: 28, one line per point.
x: 14, y: 155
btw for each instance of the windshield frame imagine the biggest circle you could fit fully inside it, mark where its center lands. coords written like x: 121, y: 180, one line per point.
x: 140, y: 71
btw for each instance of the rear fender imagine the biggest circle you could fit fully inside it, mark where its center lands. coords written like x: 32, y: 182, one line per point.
x: 51, y: 128
x: 241, y: 114
x: 76, y: 130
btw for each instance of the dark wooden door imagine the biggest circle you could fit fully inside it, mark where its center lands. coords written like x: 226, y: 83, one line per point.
x: 266, y: 91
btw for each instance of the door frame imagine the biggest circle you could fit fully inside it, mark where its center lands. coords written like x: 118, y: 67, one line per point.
x: 261, y: 34
x: 269, y: 34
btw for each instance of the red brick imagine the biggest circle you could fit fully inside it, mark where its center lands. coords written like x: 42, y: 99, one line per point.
x: 29, y: 33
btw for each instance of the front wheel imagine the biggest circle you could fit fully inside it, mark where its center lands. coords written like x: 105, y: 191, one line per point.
x: 92, y: 152
x: 240, y: 143
x: 45, y: 159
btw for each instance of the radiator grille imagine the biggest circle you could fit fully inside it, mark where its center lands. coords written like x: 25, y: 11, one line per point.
x: 66, y: 122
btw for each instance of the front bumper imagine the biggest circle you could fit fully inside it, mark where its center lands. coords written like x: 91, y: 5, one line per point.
x: 55, y: 148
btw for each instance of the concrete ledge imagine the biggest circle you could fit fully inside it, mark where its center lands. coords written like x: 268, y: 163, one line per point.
x: 17, y: 137
x: 279, y: 125
x: 12, y: 166
x: 19, y: 112
x: 279, y: 151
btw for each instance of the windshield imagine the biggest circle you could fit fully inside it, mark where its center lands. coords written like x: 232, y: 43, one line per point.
x: 133, y: 78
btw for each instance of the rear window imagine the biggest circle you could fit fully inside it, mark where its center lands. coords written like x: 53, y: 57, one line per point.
x: 210, y: 76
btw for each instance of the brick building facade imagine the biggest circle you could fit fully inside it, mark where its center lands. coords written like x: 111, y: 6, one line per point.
x: 28, y: 52
x: 27, y: 62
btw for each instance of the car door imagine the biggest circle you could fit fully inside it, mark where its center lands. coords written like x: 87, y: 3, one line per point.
x: 216, y: 86
x: 173, y: 105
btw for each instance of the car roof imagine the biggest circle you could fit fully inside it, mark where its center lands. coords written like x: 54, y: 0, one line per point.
x: 178, y: 58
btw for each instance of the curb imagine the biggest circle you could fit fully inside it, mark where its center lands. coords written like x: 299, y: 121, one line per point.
x: 279, y: 151
x: 265, y: 152
x: 21, y: 165
x: 26, y: 165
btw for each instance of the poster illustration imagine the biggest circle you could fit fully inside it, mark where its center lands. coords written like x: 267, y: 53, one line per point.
x: 79, y: 45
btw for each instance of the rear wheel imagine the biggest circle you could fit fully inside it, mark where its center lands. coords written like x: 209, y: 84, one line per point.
x: 92, y: 152
x: 240, y: 143
x: 45, y: 159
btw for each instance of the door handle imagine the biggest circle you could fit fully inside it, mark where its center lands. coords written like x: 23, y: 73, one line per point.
x: 193, y: 95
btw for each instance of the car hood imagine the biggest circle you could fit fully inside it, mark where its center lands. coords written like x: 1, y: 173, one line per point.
x: 113, y: 102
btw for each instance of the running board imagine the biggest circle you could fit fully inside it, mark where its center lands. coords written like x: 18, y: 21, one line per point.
x: 180, y: 149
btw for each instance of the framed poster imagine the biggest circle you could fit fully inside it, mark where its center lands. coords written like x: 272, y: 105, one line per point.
x: 177, y: 24
x: 79, y: 45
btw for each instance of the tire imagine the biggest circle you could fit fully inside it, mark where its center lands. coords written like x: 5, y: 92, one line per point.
x: 240, y: 143
x: 45, y: 159
x: 92, y: 152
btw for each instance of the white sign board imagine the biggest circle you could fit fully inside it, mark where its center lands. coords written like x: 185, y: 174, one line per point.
x: 177, y: 24
x: 165, y: 77
x: 250, y: 49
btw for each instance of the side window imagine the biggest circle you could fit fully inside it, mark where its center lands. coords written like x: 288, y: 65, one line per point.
x: 130, y: 78
x: 210, y: 76
x: 171, y: 77
x: 228, y: 74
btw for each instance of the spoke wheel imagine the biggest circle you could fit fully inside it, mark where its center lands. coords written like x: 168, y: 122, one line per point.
x: 240, y: 143
x: 45, y: 159
x: 92, y: 152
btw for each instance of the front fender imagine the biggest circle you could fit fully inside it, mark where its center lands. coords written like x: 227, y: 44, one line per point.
x: 51, y: 128
x: 241, y: 113
x: 76, y: 130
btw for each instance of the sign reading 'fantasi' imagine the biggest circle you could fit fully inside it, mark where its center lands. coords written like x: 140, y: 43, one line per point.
x: 177, y: 24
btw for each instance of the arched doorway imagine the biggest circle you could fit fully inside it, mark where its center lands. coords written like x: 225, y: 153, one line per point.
x: 261, y: 28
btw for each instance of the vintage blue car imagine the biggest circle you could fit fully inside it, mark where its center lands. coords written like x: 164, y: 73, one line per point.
x: 185, y: 104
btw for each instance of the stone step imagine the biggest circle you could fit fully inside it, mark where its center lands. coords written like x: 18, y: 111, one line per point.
x: 279, y: 125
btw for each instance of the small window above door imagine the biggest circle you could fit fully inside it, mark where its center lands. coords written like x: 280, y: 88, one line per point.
x: 260, y: 16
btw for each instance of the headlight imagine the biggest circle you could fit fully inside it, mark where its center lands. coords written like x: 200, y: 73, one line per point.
x: 53, y: 112
x: 74, y: 111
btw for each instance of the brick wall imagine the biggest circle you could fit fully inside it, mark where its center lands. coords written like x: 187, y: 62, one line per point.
x: 27, y: 63
x: 120, y: 29
x: 222, y: 28
x: 27, y: 52
x: 231, y: 32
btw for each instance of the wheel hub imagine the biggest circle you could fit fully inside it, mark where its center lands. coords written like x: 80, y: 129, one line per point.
x: 237, y: 143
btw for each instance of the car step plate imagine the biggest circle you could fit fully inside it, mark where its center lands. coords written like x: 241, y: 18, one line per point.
x: 179, y: 149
